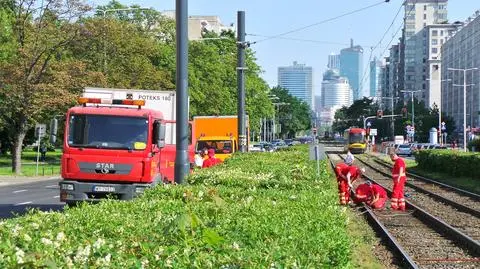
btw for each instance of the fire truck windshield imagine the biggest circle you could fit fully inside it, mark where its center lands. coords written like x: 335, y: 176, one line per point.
x: 107, y: 132
x: 356, y: 138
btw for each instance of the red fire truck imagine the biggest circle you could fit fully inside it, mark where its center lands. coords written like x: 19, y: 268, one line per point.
x: 116, y: 148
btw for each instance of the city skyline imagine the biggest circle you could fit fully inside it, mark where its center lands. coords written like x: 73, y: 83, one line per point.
x: 313, y: 44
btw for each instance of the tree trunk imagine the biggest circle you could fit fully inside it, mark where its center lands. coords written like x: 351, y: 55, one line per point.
x: 17, y: 148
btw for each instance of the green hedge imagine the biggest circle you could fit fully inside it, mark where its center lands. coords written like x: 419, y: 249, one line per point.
x: 451, y: 162
x: 261, y: 210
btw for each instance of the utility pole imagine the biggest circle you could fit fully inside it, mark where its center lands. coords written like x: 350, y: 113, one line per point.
x: 241, y: 45
x: 392, y: 124
x: 182, y: 167
x: 413, y: 111
x: 464, y: 102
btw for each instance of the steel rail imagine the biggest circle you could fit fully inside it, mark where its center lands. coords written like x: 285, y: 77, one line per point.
x: 383, y: 232
x: 440, y: 198
x: 438, y: 224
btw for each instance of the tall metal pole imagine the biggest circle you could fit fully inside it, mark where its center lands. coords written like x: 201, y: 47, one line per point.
x: 465, y: 110
x: 182, y: 166
x: 393, y: 123
x: 241, y: 45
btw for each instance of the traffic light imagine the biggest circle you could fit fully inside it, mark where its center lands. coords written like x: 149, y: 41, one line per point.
x: 379, y: 113
x: 404, y: 112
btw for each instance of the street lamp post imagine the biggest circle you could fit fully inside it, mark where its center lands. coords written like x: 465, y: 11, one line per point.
x: 440, y: 111
x: 105, y: 33
x: 464, y: 102
x: 392, y: 119
x: 413, y: 111
x: 277, y: 106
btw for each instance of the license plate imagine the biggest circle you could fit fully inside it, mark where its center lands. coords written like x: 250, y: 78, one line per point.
x: 104, y: 189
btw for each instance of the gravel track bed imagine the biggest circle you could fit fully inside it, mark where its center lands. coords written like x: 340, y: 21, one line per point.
x: 425, y: 246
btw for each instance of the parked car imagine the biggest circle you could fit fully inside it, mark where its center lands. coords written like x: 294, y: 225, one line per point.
x: 404, y: 149
x: 256, y: 148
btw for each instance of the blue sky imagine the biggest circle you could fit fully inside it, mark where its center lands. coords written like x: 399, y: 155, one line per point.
x: 272, y: 17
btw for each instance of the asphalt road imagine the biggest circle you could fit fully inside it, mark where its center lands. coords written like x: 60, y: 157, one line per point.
x: 16, y: 199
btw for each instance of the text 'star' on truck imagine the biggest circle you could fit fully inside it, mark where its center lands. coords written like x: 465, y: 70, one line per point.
x: 118, y: 142
x: 219, y: 133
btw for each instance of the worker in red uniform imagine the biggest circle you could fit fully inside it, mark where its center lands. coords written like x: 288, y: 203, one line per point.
x: 362, y: 193
x: 372, y: 194
x: 399, y: 176
x: 212, y: 160
x: 341, y: 177
x: 379, y: 197
x: 349, y: 175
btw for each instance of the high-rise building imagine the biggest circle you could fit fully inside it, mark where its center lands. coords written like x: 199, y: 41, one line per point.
x: 297, y: 79
x: 375, y: 76
x: 334, y: 61
x: 418, y: 14
x: 351, y: 64
x: 197, y: 25
x: 395, y: 74
x: 462, y: 51
x: 336, y: 92
x: 428, y: 72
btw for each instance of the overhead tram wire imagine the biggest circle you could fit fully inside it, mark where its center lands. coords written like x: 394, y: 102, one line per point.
x: 378, y: 44
x: 304, y: 40
x: 398, y: 30
x: 321, y: 22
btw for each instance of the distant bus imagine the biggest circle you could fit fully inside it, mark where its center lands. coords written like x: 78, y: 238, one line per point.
x: 355, y: 140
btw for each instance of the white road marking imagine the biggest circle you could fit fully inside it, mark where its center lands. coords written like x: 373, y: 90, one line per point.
x: 19, y: 191
x: 51, y: 186
x: 58, y: 196
x: 24, y: 203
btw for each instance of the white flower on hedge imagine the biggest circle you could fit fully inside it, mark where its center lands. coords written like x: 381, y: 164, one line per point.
x: 60, y: 236
x: 27, y: 237
x: 200, y: 194
x: 105, y: 261
x: 35, y: 225
x: 69, y: 262
x: 293, y: 197
x: 19, y: 254
x: 249, y: 200
x: 98, y: 244
x: 144, y: 263
x: 235, y: 246
x: 82, y: 254
x: 16, y: 229
x: 46, y: 241
x: 274, y: 203
x: 168, y: 262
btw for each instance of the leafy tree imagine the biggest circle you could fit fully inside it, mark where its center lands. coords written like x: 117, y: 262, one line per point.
x: 354, y: 115
x: 40, y: 78
x: 294, y: 116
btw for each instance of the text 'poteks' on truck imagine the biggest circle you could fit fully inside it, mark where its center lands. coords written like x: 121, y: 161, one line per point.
x: 219, y: 133
x: 116, y: 144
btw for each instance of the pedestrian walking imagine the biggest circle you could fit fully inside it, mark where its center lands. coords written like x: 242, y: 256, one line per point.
x: 399, y: 176
x: 43, y: 152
